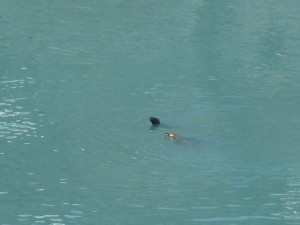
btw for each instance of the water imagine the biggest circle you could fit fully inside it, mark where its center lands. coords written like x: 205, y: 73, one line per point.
x: 79, y: 79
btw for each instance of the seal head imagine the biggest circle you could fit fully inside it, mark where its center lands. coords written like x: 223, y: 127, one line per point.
x: 155, y: 121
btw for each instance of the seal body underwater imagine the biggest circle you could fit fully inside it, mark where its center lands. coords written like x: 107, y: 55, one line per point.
x: 171, y: 135
x: 180, y: 139
x: 156, y: 123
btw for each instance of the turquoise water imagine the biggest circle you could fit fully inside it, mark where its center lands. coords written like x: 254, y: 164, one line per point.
x: 79, y: 80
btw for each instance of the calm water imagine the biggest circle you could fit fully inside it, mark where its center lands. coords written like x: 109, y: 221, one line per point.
x: 79, y: 79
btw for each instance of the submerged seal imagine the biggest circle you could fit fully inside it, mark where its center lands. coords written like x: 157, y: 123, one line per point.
x: 171, y: 135
x: 180, y: 139
x: 156, y: 123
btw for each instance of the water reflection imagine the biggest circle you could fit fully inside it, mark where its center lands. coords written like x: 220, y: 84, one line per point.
x: 291, y: 200
x: 17, y: 118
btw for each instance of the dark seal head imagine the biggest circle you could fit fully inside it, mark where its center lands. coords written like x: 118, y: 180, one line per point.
x: 155, y: 121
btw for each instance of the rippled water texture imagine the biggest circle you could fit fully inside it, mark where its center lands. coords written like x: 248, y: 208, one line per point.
x: 80, y: 79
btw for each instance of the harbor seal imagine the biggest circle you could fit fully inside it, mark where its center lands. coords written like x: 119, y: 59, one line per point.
x: 180, y: 139
x: 155, y: 121
x: 171, y: 135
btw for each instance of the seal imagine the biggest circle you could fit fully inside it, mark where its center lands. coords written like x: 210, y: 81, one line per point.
x: 171, y: 135
x: 155, y: 121
x: 181, y: 139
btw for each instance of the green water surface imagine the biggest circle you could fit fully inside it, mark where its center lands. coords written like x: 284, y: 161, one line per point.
x: 79, y: 80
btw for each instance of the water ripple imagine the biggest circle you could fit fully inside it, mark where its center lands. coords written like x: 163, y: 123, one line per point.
x: 17, y: 117
x: 171, y: 209
x: 240, y: 218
